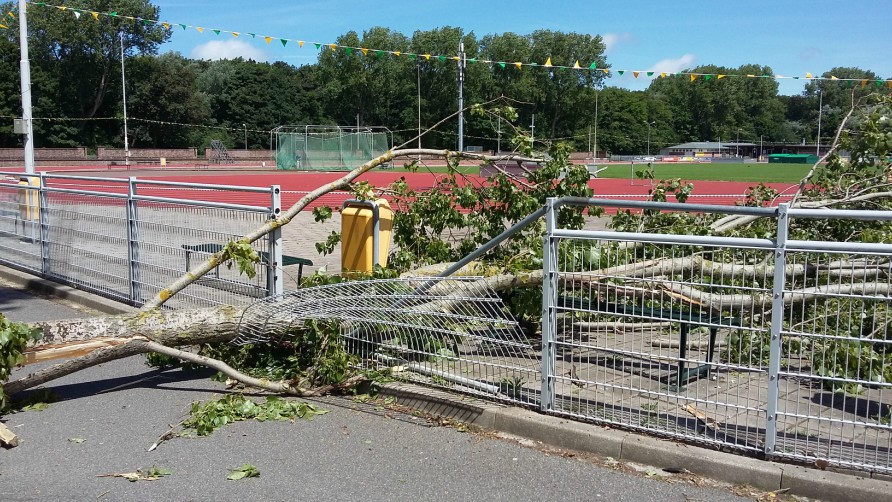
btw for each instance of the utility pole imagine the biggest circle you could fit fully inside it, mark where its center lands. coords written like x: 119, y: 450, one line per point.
x: 499, y: 140
x: 648, y: 135
x: 461, y: 97
x: 124, y: 95
x: 246, y: 136
x: 418, y: 73
x: 595, y: 151
x: 820, y: 110
x: 25, y: 71
x: 533, y: 131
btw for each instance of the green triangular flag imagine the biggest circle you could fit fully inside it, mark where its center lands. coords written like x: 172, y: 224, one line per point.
x: 412, y: 56
x: 879, y: 83
x: 707, y: 77
x: 502, y: 64
x: 253, y: 35
x: 593, y: 66
x: 284, y: 42
x: 216, y: 31
x: 441, y: 58
x: 348, y: 50
x: 472, y: 60
x: 113, y: 14
x: 184, y: 26
x: 42, y: 4
x: 318, y: 46
x: 650, y: 74
x: 532, y: 64
x: 146, y: 22
x: 379, y: 53
x: 620, y: 71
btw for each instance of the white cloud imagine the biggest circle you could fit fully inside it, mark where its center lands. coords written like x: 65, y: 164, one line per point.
x: 673, y: 65
x: 229, y: 49
x: 612, y: 39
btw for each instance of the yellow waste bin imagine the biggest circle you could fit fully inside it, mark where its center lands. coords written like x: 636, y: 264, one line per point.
x: 366, y: 227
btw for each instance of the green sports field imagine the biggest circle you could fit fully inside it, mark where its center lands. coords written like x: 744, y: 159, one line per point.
x: 755, y: 173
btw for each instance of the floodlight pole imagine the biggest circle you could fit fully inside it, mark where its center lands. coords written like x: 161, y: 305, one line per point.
x: 25, y: 71
x: 461, y: 97
x: 124, y: 96
x: 820, y: 110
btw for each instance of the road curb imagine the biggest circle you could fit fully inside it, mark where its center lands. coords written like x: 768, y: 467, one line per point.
x: 625, y: 446
x: 34, y: 284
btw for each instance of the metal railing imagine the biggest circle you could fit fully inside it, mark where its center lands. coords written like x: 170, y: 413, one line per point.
x: 126, y: 238
x: 769, y: 345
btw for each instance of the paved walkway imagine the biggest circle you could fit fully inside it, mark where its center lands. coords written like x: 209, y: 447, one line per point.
x: 109, y: 415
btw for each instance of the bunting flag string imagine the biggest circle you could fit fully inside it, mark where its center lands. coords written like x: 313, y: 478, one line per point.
x: 549, y: 64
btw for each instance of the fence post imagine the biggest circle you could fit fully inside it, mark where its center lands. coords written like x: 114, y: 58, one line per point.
x: 44, y: 227
x: 133, y: 242
x: 777, y: 321
x: 274, y: 281
x: 549, y: 302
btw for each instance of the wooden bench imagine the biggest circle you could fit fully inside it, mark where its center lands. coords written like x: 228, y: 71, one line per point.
x: 686, y: 320
x: 212, y: 248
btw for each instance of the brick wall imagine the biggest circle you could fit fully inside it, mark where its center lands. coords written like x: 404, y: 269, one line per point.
x: 78, y: 153
x: 103, y: 153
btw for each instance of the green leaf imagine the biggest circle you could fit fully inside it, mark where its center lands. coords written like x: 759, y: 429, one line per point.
x: 245, y: 471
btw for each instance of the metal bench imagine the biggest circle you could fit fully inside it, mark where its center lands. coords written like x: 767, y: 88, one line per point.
x: 686, y: 319
x: 212, y: 248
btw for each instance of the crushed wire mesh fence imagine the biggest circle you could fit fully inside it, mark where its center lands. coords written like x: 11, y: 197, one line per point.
x: 451, y: 332
x: 767, y: 345
x: 126, y: 239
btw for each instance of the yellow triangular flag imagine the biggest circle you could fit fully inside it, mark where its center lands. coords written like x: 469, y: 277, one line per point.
x: 721, y: 77
x: 863, y: 83
x: 300, y: 43
x: 518, y: 64
x: 333, y: 46
x: 635, y: 73
x: 365, y: 52
x: 268, y: 39
x: 63, y: 8
x: 663, y: 75
x: 235, y: 34
x: 576, y: 64
x: 455, y: 58
x: 606, y: 71
x: 807, y: 75
x: 427, y: 56
x: 547, y: 63
x: 693, y: 77
x: 833, y: 77
x: 95, y: 15
x: 166, y: 25
x: 397, y: 53
x: 200, y: 29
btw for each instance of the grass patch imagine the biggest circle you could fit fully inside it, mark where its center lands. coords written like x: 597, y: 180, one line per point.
x: 754, y: 173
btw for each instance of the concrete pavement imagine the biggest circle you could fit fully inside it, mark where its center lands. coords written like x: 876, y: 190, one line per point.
x: 356, y: 451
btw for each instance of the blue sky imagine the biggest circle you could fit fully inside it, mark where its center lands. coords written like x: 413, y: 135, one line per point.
x: 791, y: 36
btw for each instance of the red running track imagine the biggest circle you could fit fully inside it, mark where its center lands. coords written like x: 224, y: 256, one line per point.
x: 294, y: 185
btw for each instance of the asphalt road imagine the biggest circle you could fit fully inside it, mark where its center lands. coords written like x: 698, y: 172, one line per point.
x: 108, y: 416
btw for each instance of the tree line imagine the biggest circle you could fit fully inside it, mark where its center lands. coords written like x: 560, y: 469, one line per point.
x: 175, y: 102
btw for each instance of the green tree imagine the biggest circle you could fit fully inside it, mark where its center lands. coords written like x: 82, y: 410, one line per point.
x: 834, y: 98
x: 167, y: 97
x: 80, y: 59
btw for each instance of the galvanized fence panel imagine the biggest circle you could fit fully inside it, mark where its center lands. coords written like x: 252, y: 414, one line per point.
x: 764, y: 345
x: 127, y: 238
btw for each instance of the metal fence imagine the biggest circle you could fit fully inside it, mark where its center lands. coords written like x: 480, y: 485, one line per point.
x: 769, y: 345
x: 126, y: 239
